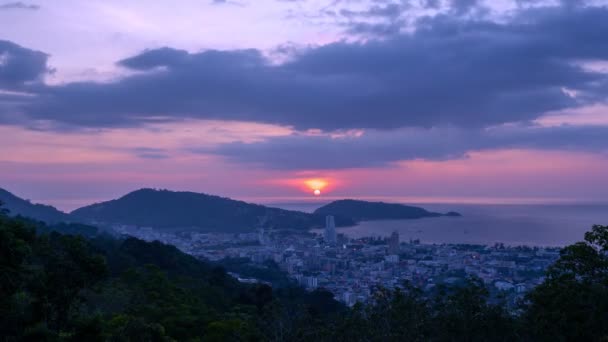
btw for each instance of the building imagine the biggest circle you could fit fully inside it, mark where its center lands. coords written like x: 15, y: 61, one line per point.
x: 330, y: 230
x: 393, y: 243
x: 261, y: 236
x: 309, y: 282
x: 503, y: 285
x: 392, y: 258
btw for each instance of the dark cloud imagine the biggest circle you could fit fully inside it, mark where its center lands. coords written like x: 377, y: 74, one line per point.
x: 381, y: 19
x: 375, y: 30
x: 389, y: 11
x: 461, y: 7
x: 149, y: 59
x: 18, y: 5
x: 20, y: 66
x: 377, y: 149
x: 450, y: 71
x: 386, y: 18
x: 434, y: 4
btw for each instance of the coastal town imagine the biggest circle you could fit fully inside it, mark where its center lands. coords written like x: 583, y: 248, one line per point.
x: 352, y: 268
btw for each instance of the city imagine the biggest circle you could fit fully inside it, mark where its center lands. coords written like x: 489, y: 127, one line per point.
x: 350, y: 268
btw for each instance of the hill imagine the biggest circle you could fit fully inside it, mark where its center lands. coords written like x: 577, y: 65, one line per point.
x: 41, y: 212
x: 58, y: 287
x: 368, y: 211
x: 194, y: 211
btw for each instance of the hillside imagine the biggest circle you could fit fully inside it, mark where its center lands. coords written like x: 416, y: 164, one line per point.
x: 41, y: 212
x: 194, y: 211
x: 107, y: 289
x: 368, y: 211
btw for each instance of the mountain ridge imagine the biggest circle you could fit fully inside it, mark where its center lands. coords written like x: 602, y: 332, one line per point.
x: 187, y: 210
x: 42, y: 212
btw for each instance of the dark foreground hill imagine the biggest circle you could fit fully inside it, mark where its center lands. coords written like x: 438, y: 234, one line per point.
x: 59, y: 287
x: 41, y: 212
x: 195, y: 211
x: 367, y: 211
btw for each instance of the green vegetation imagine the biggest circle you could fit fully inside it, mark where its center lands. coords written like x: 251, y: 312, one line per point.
x: 367, y: 211
x: 165, y: 209
x: 60, y: 287
x: 268, y: 271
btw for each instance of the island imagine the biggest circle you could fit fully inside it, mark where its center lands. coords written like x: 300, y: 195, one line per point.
x: 357, y: 210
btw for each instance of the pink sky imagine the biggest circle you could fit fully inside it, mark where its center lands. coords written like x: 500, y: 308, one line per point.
x: 74, y: 169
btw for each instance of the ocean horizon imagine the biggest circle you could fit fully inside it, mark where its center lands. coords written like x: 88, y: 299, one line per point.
x: 511, y: 221
x: 486, y: 224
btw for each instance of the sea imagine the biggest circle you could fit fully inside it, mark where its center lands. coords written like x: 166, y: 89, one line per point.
x: 486, y: 224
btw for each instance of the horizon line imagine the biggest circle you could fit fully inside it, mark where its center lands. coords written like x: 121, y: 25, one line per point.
x: 68, y: 205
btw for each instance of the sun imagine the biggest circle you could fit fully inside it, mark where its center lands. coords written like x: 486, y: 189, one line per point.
x: 316, y: 185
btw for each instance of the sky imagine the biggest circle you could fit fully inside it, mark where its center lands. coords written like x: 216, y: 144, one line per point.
x: 475, y: 101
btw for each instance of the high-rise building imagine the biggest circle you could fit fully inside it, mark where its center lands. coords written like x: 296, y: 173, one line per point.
x: 261, y: 236
x: 330, y: 230
x: 393, y: 243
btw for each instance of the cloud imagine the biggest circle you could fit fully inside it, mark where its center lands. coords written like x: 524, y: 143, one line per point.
x: 18, y: 5
x: 378, y: 149
x: 461, y: 7
x: 151, y: 153
x: 450, y: 71
x: 149, y: 59
x: 434, y: 4
x: 20, y: 66
x: 379, y: 20
x: 226, y: 2
x: 385, y: 18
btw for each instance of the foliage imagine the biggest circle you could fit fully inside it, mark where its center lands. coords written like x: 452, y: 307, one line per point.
x: 64, y: 287
x: 268, y: 271
x: 572, y: 302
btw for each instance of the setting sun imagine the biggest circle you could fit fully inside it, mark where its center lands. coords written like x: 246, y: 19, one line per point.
x: 317, y: 192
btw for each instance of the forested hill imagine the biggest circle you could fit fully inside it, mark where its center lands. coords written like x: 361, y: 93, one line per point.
x: 367, y: 211
x: 195, y: 211
x: 41, y: 212
x: 66, y: 288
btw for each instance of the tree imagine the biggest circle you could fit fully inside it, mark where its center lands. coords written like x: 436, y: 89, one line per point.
x: 3, y: 211
x: 572, y: 302
x: 465, y: 314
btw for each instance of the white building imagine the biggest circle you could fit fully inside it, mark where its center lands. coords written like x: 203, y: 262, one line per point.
x: 393, y: 258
